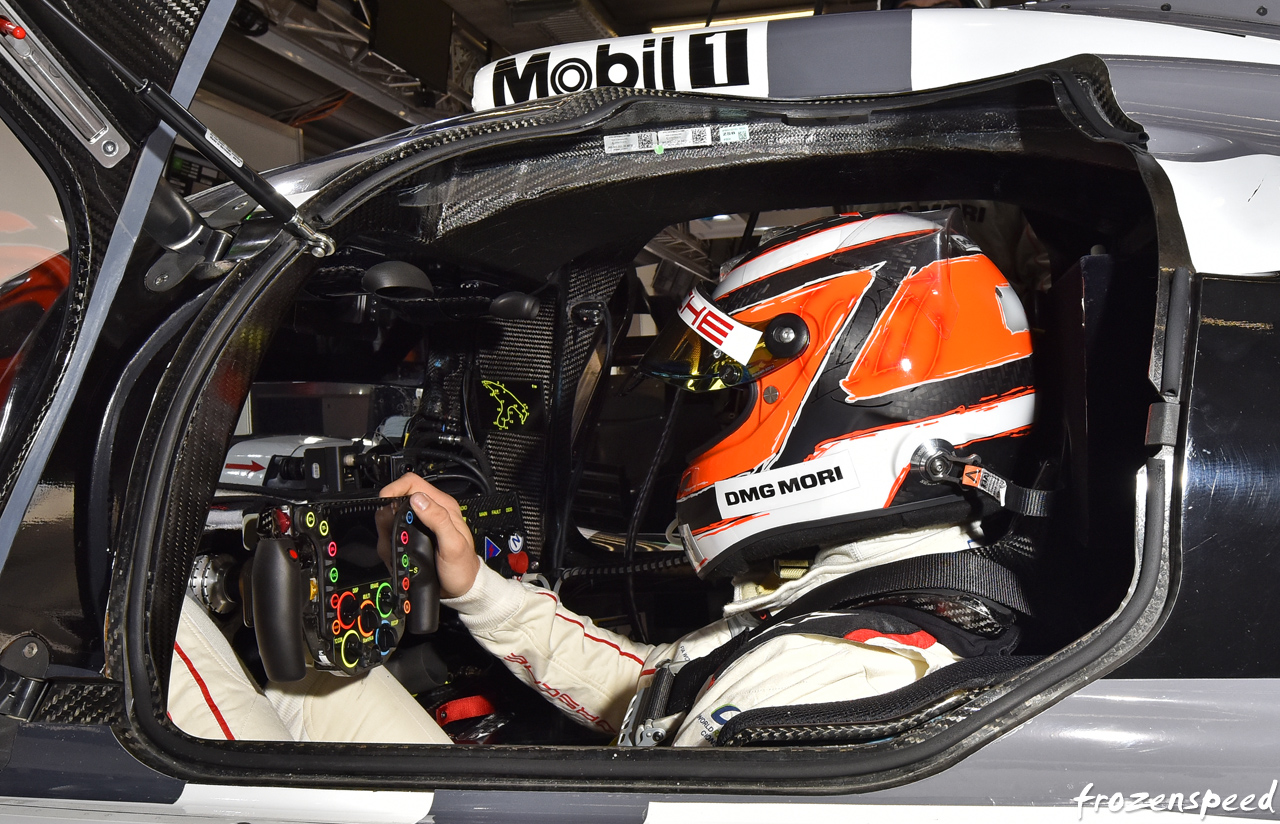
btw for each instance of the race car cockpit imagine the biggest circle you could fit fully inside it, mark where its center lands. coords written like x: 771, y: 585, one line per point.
x: 523, y: 331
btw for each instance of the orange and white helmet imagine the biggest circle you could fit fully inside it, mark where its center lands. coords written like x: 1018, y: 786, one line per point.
x: 860, y: 341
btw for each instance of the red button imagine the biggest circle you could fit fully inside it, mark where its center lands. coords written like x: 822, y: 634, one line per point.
x: 404, y: 537
x: 333, y: 549
x: 333, y: 601
x: 12, y: 29
x: 519, y: 562
x: 404, y: 583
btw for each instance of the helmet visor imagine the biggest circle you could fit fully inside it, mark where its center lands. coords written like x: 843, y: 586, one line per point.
x: 706, y: 350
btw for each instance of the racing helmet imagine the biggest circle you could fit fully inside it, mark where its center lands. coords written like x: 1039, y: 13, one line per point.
x: 859, y: 342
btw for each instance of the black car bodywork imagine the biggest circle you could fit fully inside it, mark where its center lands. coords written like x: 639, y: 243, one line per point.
x: 127, y: 438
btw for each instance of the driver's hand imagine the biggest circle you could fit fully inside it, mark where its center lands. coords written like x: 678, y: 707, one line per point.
x: 456, y: 561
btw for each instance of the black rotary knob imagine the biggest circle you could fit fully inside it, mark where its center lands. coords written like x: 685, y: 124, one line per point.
x: 386, y: 600
x: 348, y: 609
x: 351, y: 650
x: 369, y: 619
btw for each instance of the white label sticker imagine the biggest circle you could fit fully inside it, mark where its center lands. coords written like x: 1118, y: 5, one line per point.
x: 734, y: 134
x: 797, y: 484
x: 684, y: 138
x: 621, y: 143
x: 657, y: 142
x: 222, y: 147
x: 715, y: 327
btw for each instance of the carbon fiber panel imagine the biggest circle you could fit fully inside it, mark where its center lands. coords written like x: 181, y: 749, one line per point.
x: 527, y: 464
x: 526, y: 351
x: 91, y: 198
x: 242, y: 315
x: 151, y: 40
x: 200, y: 460
x: 82, y: 702
x: 477, y: 193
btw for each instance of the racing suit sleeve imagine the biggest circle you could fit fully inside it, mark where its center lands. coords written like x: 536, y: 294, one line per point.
x: 589, y: 673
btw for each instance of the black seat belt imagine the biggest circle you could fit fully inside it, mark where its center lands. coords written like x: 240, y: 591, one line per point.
x: 966, y: 571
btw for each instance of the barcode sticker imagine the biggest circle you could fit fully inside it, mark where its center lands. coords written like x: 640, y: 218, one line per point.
x: 622, y: 143
x: 684, y: 138
x: 657, y: 142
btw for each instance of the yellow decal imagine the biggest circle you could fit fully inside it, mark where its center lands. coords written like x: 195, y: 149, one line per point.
x: 509, y: 406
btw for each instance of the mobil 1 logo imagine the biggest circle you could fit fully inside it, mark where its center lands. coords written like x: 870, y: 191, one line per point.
x: 800, y: 483
x: 730, y: 59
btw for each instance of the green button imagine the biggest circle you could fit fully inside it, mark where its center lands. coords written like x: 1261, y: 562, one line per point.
x: 404, y: 560
x: 333, y: 574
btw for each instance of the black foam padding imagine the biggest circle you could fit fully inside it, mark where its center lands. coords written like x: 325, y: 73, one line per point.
x: 397, y: 279
x: 969, y: 673
x: 964, y: 571
x: 515, y: 306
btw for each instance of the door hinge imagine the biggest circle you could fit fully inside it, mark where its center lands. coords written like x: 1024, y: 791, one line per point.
x: 20, y: 696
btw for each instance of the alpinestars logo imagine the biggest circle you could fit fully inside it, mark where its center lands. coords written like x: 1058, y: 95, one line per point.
x: 729, y: 59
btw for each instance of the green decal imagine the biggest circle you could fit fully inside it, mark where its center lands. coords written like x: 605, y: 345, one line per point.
x: 510, y: 407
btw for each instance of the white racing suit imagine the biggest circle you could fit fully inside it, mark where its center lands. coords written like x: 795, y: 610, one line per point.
x: 591, y: 674
x: 212, y: 695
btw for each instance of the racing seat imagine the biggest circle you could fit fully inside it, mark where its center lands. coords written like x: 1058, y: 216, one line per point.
x: 877, y: 717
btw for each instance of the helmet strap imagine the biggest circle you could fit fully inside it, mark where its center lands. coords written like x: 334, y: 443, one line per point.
x: 937, y: 463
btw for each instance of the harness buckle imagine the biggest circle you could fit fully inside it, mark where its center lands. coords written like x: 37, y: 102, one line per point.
x: 640, y: 727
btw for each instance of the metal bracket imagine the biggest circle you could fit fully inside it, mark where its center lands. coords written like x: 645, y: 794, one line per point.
x: 640, y: 727
x: 19, y: 695
x: 1162, y: 424
x: 936, y: 462
x: 54, y: 85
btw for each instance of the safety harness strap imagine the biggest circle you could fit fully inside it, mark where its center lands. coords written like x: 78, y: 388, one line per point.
x: 937, y: 463
x: 965, y: 571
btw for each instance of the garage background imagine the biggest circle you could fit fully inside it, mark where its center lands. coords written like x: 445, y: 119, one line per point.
x: 294, y: 80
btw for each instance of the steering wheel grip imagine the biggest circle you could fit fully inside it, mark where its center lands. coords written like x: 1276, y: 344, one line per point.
x: 424, y: 584
x: 277, y: 609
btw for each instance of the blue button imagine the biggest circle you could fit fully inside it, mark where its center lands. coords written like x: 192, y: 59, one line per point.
x: 408, y: 517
